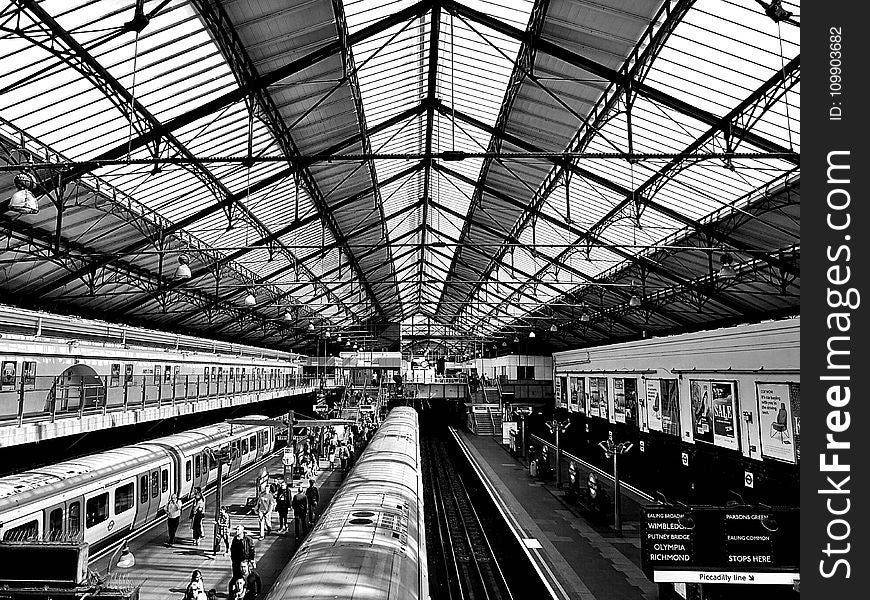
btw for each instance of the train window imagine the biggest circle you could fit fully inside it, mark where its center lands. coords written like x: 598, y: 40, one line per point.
x: 123, y: 498
x: 143, y: 489
x: 245, y: 446
x: 96, y: 510
x: 155, y: 484
x: 197, y: 465
x: 74, y: 519
x: 253, y: 443
x: 165, y: 486
x: 187, y: 471
x: 25, y: 531
x: 55, y: 524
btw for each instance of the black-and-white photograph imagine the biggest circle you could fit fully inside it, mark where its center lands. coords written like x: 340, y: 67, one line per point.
x: 428, y: 299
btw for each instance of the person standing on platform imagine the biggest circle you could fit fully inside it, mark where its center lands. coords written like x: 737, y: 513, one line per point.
x: 173, y: 517
x: 282, y: 505
x: 241, y: 550
x: 252, y: 579
x: 197, y: 514
x: 265, y: 506
x: 313, y: 496
x: 300, y: 510
x: 224, y: 525
x: 196, y: 588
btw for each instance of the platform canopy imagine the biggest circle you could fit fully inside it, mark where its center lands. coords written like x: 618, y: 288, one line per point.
x: 473, y: 176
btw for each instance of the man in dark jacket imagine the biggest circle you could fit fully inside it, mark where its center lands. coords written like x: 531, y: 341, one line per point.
x: 252, y: 578
x: 313, y: 496
x: 241, y: 550
x: 300, y: 513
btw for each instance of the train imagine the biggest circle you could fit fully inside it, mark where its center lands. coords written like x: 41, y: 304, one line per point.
x: 104, y: 497
x: 370, y: 541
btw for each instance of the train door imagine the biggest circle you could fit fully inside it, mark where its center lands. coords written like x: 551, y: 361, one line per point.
x: 236, y: 463
x: 143, y: 499
x: 74, y: 518
x: 165, y: 486
x: 261, y: 446
x: 154, y: 500
x: 54, y: 523
x: 200, y: 470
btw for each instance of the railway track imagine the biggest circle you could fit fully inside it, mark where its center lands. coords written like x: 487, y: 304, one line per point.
x: 467, y: 565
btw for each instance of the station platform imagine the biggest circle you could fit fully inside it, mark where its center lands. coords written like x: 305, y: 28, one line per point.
x: 580, y: 559
x: 164, y: 572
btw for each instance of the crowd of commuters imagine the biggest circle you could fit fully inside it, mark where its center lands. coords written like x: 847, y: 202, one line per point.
x: 245, y: 584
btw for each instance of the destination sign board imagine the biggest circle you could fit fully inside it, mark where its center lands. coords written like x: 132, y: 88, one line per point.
x: 709, y: 539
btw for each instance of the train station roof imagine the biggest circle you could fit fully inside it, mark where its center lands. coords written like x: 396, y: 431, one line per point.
x: 473, y: 175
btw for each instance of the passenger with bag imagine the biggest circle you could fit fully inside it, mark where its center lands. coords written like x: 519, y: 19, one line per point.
x: 300, y: 513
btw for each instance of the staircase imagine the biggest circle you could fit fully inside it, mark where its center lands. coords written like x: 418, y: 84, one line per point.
x: 483, y: 424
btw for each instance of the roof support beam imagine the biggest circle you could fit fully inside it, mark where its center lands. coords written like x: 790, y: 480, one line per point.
x: 432, y: 84
x: 612, y: 75
x: 245, y: 71
x: 350, y: 70
x: 650, y: 266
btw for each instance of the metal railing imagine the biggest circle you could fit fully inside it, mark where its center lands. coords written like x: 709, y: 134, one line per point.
x: 33, y: 399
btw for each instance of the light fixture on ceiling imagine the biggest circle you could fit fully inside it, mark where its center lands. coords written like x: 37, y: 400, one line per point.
x: 553, y: 328
x: 532, y: 334
x: 288, y: 316
x: 250, y: 299
x: 584, y: 316
x: 310, y: 325
x: 355, y: 346
x: 727, y: 271
x: 328, y: 334
x: 516, y: 339
x: 183, y: 270
x: 338, y: 339
x: 504, y: 344
x: 23, y: 201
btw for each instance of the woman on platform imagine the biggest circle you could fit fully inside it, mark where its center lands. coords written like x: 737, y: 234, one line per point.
x: 197, y: 513
x: 173, y: 516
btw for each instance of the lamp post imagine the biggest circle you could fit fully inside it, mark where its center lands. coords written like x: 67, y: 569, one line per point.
x: 612, y: 450
x: 522, y: 413
x: 221, y: 456
x: 556, y: 427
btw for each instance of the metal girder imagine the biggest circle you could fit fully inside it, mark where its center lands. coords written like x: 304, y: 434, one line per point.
x: 77, y: 254
x: 640, y: 58
x: 608, y: 74
x: 245, y: 71
x: 637, y: 259
x: 432, y: 84
x: 524, y: 62
x: 522, y: 273
x: 351, y: 73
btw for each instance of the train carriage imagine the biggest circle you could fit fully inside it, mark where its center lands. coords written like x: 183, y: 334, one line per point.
x: 370, y: 540
x: 105, y: 496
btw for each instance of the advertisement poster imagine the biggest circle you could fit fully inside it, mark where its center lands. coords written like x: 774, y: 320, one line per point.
x: 577, y: 394
x: 115, y: 375
x: 167, y: 374
x: 724, y: 414
x: 7, y: 379
x: 128, y: 373
x: 206, y: 373
x: 557, y: 393
x: 654, y: 404
x: 157, y: 370
x: 28, y: 372
x: 594, y: 398
x: 619, y: 400
x: 670, y: 407
x: 625, y: 401
x: 702, y: 411
x: 630, y: 388
x: 775, y: 418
